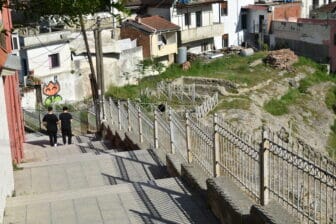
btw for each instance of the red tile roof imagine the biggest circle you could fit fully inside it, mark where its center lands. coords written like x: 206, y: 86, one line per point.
x: 157, y: 23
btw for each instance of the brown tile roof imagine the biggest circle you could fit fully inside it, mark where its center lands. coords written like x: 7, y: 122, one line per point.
x: 158, y: 23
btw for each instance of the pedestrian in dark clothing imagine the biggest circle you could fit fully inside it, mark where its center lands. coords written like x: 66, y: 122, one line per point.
x: 66, y: 119
x: 50, y: 120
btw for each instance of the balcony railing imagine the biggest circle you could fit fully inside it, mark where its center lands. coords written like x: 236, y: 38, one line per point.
x: 200, y: 33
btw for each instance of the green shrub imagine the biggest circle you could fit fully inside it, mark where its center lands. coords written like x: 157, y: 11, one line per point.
x: 330, y: 99
x: 276, y: 107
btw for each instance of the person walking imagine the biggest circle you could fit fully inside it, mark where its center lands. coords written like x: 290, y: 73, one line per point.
x: 66, y: 119
x: 50, y: 120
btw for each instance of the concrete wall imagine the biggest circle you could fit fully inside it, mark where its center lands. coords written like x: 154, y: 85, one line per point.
x: 6, y: 169
x: 28, y: 100
x: 304, y: 38
x: 124, y: 70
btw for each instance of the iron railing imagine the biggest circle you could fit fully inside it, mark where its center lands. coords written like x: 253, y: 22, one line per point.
x: 294, y: 174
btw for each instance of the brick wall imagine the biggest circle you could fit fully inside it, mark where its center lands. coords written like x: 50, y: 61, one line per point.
x: 287, y: 11
x: 142, y: 38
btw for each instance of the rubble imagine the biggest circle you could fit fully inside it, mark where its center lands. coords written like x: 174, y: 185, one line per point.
x: 281, y: 59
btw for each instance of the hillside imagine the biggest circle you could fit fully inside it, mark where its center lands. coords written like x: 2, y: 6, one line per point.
x: 298, y: 101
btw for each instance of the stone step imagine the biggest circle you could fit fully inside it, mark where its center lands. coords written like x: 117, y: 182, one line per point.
x: 85, y: 171
x: 40, y: 150
x: 160, y: 201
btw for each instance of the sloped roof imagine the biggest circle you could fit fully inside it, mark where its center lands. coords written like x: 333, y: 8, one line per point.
x: 159, y: 23
x: 152, y: 24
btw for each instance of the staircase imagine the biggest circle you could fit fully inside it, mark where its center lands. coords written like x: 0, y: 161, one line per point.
x: 89, y: 182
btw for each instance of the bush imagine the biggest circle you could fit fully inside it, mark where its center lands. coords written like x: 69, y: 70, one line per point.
x: 276, y: 107
x: 330, y: 99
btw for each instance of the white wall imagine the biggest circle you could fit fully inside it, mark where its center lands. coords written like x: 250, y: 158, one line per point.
x: 177, y: 16
x: 6, y: 168
x: 28, y: 100
x: 232, y: 22
x: 38, y: 59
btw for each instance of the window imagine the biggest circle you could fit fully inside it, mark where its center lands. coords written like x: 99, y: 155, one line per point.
x: 187, y: 19
x: 224, y: 9
x: 199, y: 18
x: 15, y: 43
x: 315, y: 4
x: 24, y: 67
x: 162, y: 40
x: 335, y: 39
x: 225, y: 40
x: 244, y: 21
x: 54, y: 60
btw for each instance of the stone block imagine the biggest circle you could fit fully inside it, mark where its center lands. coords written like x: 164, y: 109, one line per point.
x: 229, y: 204
x: 272, y: 213
x: 173, y: 162
x: 195, y: 177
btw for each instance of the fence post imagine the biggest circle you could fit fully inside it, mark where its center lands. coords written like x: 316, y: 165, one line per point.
x: 216, y: 168
x: 188, y: 140
x: 156, y: 140
x: 264, y: 169
x: 119, y: 115
x: 110, y: 105
x: 140, y: 124
x: 40, y: 123
x: 171, y: 129
x: 128, y: 115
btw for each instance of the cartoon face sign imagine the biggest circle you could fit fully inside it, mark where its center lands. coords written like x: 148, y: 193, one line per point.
x: 51, y: 89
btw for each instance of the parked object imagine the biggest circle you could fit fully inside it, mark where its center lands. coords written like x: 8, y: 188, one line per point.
x: 182, y: 55
x: 247, y: 52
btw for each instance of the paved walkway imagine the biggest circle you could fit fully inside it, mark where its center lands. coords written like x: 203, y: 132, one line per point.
x: 98, y: 185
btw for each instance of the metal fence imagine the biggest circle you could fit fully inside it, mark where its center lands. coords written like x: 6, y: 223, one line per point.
x: 294, y: 174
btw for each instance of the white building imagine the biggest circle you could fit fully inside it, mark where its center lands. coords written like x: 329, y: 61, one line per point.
x: 201, y: 30
x: 230, y: 12
x: 59, y: 61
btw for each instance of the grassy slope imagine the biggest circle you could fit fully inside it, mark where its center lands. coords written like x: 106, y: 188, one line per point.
x: 236, y: 68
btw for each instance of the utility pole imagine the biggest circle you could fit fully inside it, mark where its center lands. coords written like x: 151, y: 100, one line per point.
x: 100, y: 68
x: 92, y: 75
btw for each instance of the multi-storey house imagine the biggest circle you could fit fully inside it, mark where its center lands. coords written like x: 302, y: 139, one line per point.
x: 156, y: 35
x: 200, y: 27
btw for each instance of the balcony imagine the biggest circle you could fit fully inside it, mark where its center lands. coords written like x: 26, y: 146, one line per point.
x: 201, y: 33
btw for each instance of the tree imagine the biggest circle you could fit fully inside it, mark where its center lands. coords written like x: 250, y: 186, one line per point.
x: 71, y: 11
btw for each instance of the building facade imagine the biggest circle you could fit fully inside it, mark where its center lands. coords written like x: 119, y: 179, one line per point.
x: 156, y: 35
x: 11, y: 119
x: 313, y: 38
